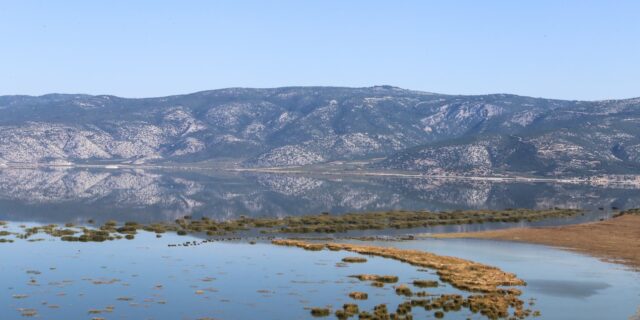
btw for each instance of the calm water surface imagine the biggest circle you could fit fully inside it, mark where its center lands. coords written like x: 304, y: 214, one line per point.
x: 75, y: 195
x: 237, y: 280
x: 145, y: 279
x: 566, y: 285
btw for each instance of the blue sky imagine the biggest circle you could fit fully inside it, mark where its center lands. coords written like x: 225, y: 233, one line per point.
x: 557, y: 49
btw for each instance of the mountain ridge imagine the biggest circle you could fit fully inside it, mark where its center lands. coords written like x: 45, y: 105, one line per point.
x: 293, y: 126
x: 307, y: 87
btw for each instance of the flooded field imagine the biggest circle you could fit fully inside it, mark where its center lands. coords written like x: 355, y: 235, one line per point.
x: 146, y: 279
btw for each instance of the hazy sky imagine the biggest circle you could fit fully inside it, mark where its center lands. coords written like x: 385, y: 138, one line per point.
x: 559, y: 49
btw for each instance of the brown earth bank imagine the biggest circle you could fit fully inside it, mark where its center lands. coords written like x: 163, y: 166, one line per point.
x: 614, y: 240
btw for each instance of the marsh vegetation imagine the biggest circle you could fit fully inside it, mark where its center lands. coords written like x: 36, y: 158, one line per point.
x: 321, y: 223
x: 493, y: 292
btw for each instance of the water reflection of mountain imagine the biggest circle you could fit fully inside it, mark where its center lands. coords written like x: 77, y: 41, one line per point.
x: 61, y: 195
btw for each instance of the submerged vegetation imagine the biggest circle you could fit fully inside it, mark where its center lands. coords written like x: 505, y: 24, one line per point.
x: 320, y: 312
x: 425, y: 283
x: 357, y: 295
x: 404, y: 290
x: 494, y: 292
x: 321, y: 223
x: 370, y: 277
x: 354, y: 259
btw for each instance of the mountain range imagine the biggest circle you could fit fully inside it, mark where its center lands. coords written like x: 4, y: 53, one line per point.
x: 389, y: 127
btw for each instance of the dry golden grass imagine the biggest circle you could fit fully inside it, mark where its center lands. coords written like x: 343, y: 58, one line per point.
x: 496, y: 288
x: 461, y: 273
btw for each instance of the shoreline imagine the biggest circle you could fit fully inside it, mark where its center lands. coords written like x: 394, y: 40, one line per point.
x: 616, y: 240
x: 598, y: 181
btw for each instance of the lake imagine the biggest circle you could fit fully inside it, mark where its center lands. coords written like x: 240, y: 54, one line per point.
x: 146, y: 279
x: 76, y: 194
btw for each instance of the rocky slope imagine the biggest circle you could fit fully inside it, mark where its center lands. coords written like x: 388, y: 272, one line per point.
x: 309, y: 125
x: 580, y: 139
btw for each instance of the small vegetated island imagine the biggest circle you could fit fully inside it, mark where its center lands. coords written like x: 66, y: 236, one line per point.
x: 320, y: 223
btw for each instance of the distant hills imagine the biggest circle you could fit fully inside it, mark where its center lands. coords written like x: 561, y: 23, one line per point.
x: 406, y: 130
